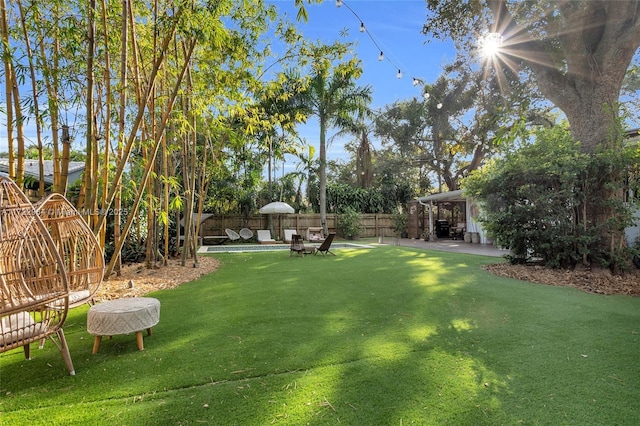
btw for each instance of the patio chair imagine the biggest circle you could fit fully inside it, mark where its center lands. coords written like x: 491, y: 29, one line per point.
x: 288, y: 234
x: 264, y: 237
x: 34, y: 292
x: 77, y: 245
x: 297, y: 246
x: 233, y: 235
x: 326, y: 244
x: 246, y: 234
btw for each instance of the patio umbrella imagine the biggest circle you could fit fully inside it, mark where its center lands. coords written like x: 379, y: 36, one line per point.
x: 276, y: 207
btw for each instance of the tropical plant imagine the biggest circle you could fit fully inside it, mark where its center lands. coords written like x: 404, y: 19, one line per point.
x: 349, y: 223
x: 163, y: 87
x: 333, y: 97
x: 535, y: 208
x: 400, y: 222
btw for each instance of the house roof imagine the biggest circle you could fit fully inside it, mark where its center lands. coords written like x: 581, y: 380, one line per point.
x: 444, y: 196
x: 632, y: 135
x: 194, y: 217
x: 32, y: 169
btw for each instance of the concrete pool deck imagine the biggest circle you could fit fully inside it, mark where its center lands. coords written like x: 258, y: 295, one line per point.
x: 457, y: 246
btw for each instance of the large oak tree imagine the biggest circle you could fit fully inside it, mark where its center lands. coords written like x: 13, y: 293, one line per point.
x: 578, y: 53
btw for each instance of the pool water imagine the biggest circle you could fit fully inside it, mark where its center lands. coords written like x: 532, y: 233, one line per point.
x: 268, y: 247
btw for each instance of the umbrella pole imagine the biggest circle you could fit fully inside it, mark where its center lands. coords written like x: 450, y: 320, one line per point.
x: 270, y: 223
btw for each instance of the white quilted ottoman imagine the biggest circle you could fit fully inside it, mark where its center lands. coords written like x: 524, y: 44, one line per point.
x: 123, y: 316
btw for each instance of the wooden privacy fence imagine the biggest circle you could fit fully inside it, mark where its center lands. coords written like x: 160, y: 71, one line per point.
x: 372, y: 225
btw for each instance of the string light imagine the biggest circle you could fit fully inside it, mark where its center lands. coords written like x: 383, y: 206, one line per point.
x: 363, y: 29
x: 381, y: 56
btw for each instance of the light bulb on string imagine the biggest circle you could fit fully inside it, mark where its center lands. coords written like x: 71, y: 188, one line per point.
x: 439, y: 106
x: 381, y: 56
x: 426, y: 95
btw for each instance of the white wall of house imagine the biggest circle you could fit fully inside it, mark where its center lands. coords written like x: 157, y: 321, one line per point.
x: 473, y: 225
x: 632, y: 233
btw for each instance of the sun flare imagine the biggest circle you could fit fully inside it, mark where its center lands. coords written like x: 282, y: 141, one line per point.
x: 490, y: 45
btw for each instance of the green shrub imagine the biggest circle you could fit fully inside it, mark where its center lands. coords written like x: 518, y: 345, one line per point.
x: 538, y: 202
x: 349, y: 223
x: 400, y: 221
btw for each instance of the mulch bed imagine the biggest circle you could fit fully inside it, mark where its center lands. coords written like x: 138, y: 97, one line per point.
x: 136, y: 279
x: 598, y: 281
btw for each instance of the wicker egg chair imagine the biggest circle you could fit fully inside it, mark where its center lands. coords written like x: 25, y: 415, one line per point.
x: 34, y: 294
x: 77, y: 245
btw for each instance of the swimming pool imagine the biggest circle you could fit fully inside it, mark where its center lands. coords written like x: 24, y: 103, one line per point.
x: 239, y: 248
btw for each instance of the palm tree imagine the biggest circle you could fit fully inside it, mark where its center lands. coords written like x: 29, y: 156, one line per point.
x: 361, y: 127
x: 333, y: 97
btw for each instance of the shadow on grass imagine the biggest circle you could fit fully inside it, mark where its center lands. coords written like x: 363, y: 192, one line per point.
x: 383, y: 336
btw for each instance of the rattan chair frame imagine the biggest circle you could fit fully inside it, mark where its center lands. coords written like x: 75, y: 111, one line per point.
x: 34, y: 292
x: 77, y: 245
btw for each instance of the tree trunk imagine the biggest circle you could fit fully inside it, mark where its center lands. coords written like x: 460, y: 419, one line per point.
x: 157, y: 137
x: 322, y: 173
x: 8, y: 74
x: 64, y: 164
x: 108, y: 105
x: 51, y: 81
x: 89, y: 171
x: 165, y: 203
x: 36, y: 107
x: 139, y: 117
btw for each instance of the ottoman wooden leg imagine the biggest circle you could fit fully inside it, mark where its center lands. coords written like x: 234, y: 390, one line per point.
x: 139, y: 340
x: 149, y: 331
x: 96, y: 344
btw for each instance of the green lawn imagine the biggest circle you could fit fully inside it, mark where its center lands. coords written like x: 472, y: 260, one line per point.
x: 384, y: 336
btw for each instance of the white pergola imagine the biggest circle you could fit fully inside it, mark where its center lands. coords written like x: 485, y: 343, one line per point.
x: 451, y: 196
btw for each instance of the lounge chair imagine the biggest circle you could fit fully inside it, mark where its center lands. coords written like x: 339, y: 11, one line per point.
x: 297, y: 246
x: 326, y: 244
x: 314, y: 234
x: 264, y: 237
x: 246, y: 234
x: 233, y: 235
x: 288, y: 234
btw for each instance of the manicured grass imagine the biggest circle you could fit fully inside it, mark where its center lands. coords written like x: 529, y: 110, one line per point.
x: 380, y: 336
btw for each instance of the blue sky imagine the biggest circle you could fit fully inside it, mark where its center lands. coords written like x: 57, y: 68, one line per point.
x: 395, y: 27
